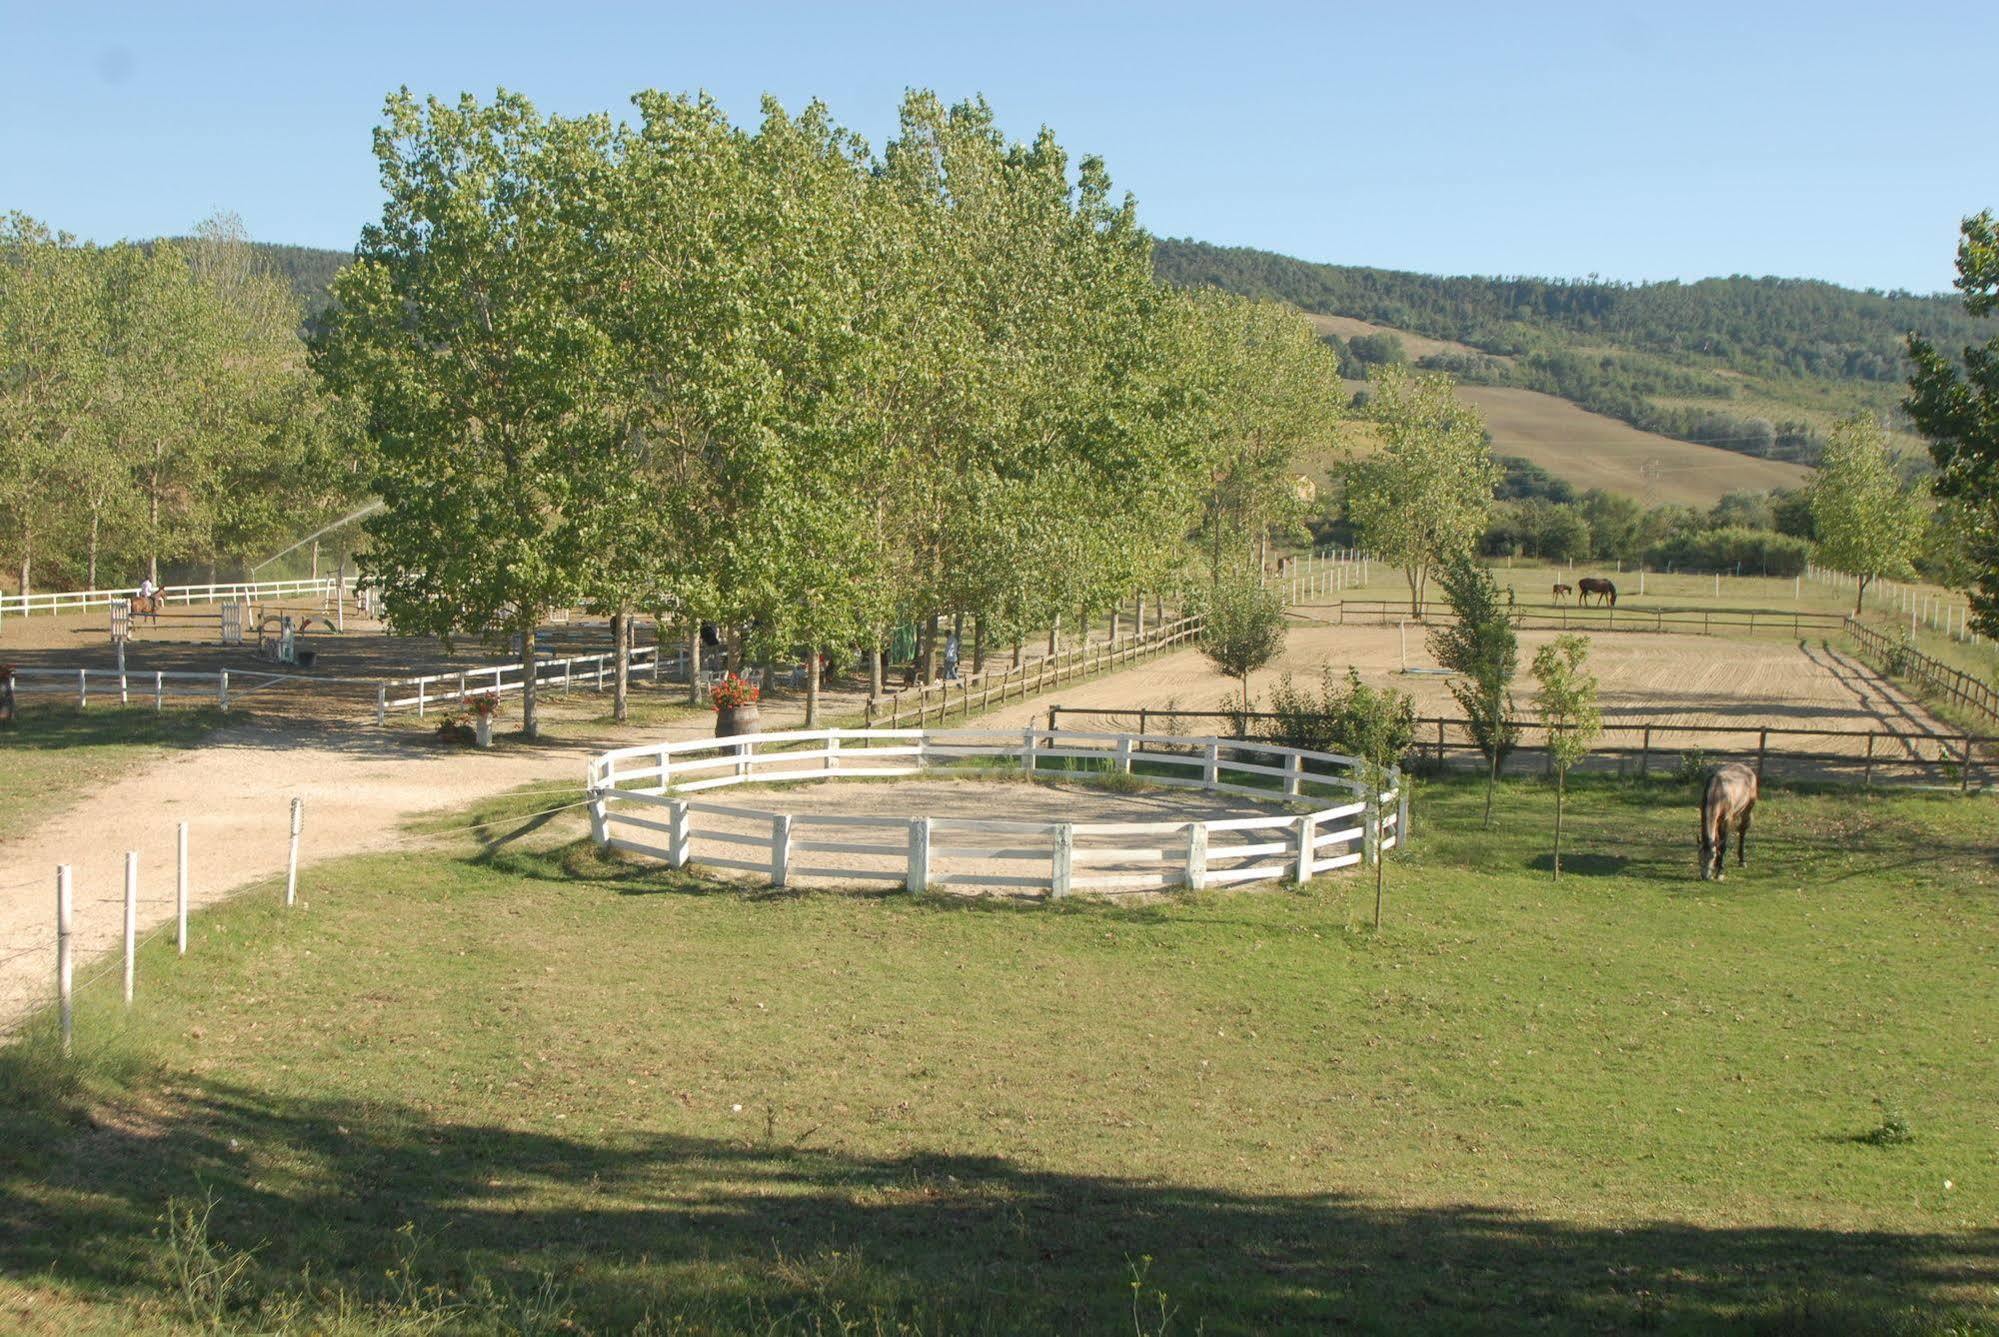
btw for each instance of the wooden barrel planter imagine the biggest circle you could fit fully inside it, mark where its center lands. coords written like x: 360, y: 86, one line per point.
x: 742, y: 719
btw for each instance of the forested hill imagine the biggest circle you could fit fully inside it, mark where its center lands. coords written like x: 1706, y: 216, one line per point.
x: 309, y: 269
x: 1760, y: 326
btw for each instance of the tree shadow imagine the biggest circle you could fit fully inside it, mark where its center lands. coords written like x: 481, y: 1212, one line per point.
x: 732, y: 1232
x: 1583, y: 863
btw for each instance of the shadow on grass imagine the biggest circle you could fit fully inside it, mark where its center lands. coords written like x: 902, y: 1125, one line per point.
x: 729, y: 1232
x: 1583, y: 864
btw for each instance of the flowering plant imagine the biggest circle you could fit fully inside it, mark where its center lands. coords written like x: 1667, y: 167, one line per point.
x: 485, y: 705
x: 734, y: 691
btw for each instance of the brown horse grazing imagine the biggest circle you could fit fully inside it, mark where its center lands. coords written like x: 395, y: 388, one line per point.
x: 1730, y: 797
x: 1562, y: 593
x: 1603, y: 589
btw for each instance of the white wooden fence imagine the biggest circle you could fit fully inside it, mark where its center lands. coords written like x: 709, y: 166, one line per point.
x: 593, y: 671
x: 639, y: 806
x: 71, y: 601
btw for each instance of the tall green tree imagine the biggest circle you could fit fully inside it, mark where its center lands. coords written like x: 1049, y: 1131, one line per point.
x: 1866, y: 525
x: 1424, y: 498
x: 1242, y: 626
x: 1566, y: 698
x: 1957, y: 408
x: 462, y: 325
x: 1481, y: 646
x: 51, y: 373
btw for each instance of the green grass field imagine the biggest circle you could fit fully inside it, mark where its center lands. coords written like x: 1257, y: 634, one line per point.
x: 524, y: 1087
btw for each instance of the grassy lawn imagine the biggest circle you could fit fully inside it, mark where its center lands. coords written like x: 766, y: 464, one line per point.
x: 528, y: 1086
x: 52, y: 751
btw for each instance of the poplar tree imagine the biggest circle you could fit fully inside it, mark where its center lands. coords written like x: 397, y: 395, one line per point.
x: 462, y: 326
x: 1865, y: 524
x: 1422, y: 499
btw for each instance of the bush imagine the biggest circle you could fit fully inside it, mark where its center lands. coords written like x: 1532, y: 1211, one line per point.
x: 1753, y: 551
x: 1348, y: 717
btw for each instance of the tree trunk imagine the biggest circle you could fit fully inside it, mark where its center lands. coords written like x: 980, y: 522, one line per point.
x: 926, y: 654
x: 530, y: 725
x: 27, y: 558
x: 315, y: 559
x: 877, y: 654
x: 1561, y: 787
x: 1055, y: 635
x: 621, y: 637
x: 90, y: 576
x: 1019, y: 651
x: 812, y: 686
x: 1860, y: 593
x: 979, y: 644
x: 153, y: 532
x: 1492, y: 774
x: 694, y: 662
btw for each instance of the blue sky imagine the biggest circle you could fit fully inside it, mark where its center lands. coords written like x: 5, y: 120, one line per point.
x: 1830, y: 140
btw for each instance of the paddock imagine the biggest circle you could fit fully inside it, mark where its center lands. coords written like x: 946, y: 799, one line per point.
x: 1171, y: 812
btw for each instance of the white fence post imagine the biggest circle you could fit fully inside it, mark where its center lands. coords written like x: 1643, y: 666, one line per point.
x: 1308, y: 832
x: 65, y: 976
x: 1063, y: 862
x: 1124, y: 754
x: 291, y: 863
x: 1197, y: 856
x: 780, y: 849
x: 381, y: 704
x: 159, y: 691
x: 681, y: 835
x: 82, y: 688
x: 918, y: 877
x: 1211, y: 765
x: 1027, y: 741
x: 1293, y: 774
x: 222, y: 689
x: 180, y: 889
x: 600, y: 806
x: 833, y: 750
x: 1401, y: 812
x: 131, y: 918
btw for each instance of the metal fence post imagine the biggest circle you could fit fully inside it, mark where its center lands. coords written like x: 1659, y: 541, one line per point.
x: 65, y: 961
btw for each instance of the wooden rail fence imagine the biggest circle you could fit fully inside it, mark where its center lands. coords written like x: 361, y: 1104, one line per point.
x: 936, y: 701
x: 1874, y: 753
x: 1929, y: 675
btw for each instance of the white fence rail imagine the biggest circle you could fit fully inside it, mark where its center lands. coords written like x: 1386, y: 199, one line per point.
x: 72, y: 601
x: 639, y: 805
x: 439, y: 690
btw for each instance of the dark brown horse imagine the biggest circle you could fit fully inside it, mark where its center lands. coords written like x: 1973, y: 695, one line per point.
x: 1562, y: 593
x: 147, y: 606
x: 1727, y: 801
x: 1597, y: 585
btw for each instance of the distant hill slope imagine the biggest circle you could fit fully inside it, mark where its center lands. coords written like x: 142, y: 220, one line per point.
x: 1759, y: 367
x: 1758, y: 326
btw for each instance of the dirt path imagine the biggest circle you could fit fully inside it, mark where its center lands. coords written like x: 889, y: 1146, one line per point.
x: 361, y: 787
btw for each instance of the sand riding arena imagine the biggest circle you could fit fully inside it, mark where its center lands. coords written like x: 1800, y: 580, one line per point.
x: 1027, y: 812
